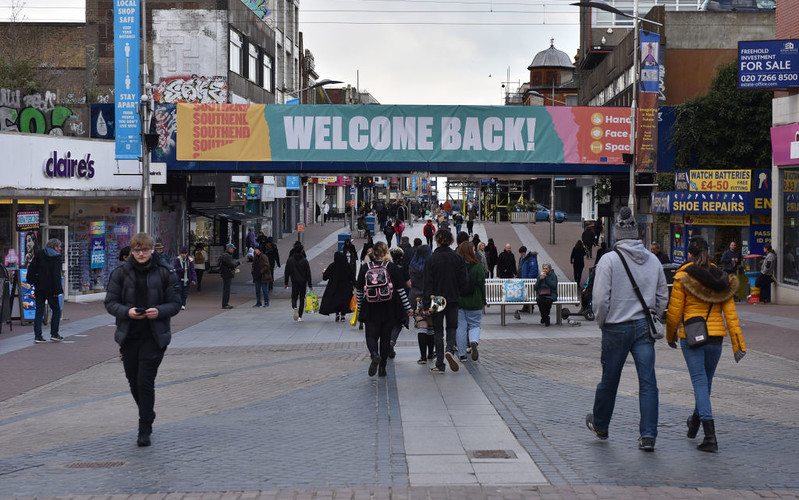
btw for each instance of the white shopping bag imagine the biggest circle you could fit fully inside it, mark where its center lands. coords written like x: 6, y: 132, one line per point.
x: 795, y: 148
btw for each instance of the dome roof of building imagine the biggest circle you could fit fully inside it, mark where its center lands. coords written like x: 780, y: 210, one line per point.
x: 551, y: 58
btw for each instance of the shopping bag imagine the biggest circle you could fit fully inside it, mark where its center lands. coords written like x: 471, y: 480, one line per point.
x: 311, y: 302
x: 353, y: 303
x: 354, y: 318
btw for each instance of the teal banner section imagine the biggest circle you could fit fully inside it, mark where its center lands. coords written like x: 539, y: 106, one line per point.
x: 413, y: 133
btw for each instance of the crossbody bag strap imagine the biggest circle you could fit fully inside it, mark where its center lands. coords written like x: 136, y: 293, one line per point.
x: 636, y: 290
x: 706, y: 316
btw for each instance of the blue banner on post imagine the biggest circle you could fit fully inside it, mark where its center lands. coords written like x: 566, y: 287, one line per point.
x: 650, y: 62
x: 126, y: 79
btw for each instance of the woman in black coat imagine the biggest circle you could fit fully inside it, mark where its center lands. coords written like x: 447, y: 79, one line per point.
x: 578, y: 261
x: 340, y: 278
x: 491, y: 256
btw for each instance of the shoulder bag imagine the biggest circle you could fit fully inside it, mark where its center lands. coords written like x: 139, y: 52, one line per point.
x: 656, y: 328
x: 696, y: 329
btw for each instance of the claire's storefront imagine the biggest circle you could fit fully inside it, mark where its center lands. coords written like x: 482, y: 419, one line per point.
x: 720, y: 205
x: 66, y: 188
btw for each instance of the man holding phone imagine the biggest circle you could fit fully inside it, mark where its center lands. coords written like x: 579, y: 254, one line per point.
x: 143, y: 295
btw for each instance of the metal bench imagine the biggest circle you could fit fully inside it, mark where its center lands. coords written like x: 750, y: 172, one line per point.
x: 568, y: 294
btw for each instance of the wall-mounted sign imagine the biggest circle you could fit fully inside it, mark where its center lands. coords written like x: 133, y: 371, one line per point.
x: 253, y: 191
x: 737, y: 181
x: 67, y: 165
x: 785, y: 144
x: 292, y: 182
x: 768, y: 64
x: 27, y: 220
x: 97, y: 253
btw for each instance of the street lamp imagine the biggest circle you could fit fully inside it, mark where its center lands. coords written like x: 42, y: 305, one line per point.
x: 320, y: 83
x: 303, y: 210
x: 602, y: 5
x: 535, y: 93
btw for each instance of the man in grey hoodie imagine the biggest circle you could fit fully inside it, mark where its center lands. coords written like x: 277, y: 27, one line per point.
x: 625, y: 327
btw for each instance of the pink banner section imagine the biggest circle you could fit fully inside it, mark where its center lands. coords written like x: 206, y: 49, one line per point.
x: 785, y: 144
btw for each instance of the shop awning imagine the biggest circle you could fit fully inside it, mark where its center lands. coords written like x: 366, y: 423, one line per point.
x: 230, y: 213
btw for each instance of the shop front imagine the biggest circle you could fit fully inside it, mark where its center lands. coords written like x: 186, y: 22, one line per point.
x: 785, y: 154
x: 66, y: 188
x: 722, y: 206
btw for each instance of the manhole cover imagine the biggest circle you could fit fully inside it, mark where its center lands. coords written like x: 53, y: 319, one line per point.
x: 474, y: 454
x: 94, y: 465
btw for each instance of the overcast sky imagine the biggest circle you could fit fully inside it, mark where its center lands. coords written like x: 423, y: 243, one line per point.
x: 435, y: 52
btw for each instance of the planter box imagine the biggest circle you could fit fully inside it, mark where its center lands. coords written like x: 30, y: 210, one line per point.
x: 523, y: 217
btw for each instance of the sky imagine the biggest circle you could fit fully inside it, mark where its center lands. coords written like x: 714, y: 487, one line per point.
x: 411, y: 51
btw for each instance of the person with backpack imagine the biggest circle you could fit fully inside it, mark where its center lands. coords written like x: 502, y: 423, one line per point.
x: 458, y: 219
x: 399, y: 228
x: 429, y: 230
x: 142, y: 295
x: 445, y: 275
x: 382, y: 303
x: 200, y: 258
x: 44, y: 273
x: 470, y: 306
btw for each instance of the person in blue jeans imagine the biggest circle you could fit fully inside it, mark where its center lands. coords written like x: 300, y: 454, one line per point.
x: 704, y: 290
x: 470, y: 306
x: 625, y: 328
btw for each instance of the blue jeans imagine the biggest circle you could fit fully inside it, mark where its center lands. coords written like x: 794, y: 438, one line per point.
x: 468, y: 328
x: 261, y: 288
x: 702, y: 362
x: 55, y: 318
x: 618, y: 340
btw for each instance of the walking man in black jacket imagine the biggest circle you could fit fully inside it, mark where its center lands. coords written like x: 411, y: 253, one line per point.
x: 298, y: 273
x: 44, y: 273
x: 143, y: 295
x: 445, y: 274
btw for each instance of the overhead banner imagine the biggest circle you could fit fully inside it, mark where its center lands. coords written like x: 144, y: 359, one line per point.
x: 127, y: 124
x: 337, y: 133
x: 647, y: 126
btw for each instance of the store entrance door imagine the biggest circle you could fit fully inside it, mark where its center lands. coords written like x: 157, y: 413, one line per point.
x: 62, y: 233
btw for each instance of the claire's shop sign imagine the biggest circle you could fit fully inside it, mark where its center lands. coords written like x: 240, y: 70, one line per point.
x: 65, y: 165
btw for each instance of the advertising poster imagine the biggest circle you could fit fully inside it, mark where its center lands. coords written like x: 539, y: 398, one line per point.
x: 27, y: 296
x: 127, y: 125
x: 647, y: 126
x: 650, y: 62
x: 768, y: 64
x: 523, y: 134
x: 97, y: 253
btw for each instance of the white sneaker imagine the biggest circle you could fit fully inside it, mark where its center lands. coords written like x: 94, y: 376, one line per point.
x: 296, y: 314
x: 182, y: 308
x: 299, y: 319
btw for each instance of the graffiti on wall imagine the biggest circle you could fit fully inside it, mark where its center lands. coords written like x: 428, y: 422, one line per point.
x: 260, y: 7
x: 102, y: 121
x: 199, y: 89
x: 38, y: 114
x: 166, y: 126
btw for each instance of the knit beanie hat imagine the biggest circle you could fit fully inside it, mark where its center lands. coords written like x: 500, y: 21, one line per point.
x: 625, y: 228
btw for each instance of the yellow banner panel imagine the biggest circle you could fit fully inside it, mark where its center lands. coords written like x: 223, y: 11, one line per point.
x: 790, y: 182
x: 222, y: 132
x: 737, y: 181
x: 717, y: 219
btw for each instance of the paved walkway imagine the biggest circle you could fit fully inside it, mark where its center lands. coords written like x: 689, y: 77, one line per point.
x: 254, y: 405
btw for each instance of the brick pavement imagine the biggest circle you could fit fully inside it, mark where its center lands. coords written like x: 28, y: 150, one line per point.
x: 252, y: 405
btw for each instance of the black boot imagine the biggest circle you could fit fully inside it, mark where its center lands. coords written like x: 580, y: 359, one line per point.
x: 693, y: 425
x: 709, y: 443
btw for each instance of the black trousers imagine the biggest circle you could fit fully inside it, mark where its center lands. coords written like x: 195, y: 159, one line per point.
x: 200, y: 273
x: 544, y: 306
x: 141, y: 358
x: 425, y: 344
x: 450, y: 314
x: 378, y: 339
x: 298, y: 297
x: 226, y: 291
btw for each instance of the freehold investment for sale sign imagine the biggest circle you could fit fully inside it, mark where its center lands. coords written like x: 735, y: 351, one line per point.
x: 528, y: 134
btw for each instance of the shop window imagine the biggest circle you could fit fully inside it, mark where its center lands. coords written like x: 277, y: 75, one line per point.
x: 788, y: 271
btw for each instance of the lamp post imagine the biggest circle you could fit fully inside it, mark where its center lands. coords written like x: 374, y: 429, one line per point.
x: 303, y: 189
x: 601, y: 5
x: 320, y: 83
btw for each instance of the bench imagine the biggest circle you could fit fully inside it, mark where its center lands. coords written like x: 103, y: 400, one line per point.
x: 568, y: 294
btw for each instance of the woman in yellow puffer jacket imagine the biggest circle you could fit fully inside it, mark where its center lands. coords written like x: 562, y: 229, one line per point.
x: 702, y: 289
